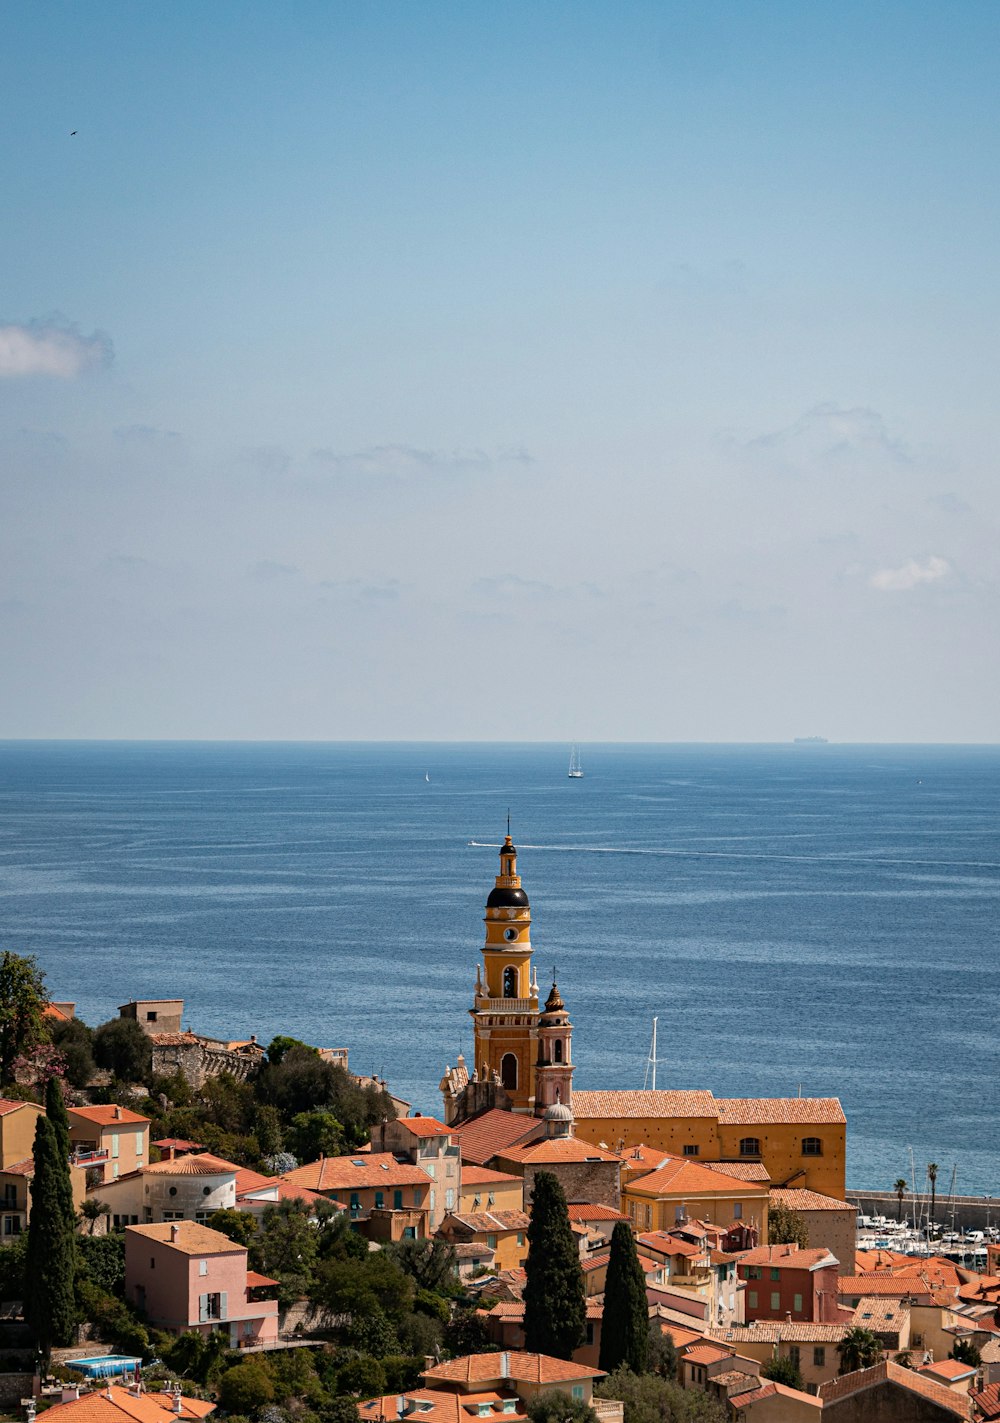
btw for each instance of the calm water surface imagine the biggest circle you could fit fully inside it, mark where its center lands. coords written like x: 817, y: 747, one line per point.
x: 816, y: 917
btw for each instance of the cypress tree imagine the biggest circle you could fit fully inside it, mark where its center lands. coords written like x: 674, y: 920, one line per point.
x: 555, y: 1306
x: 55, y: 1110
x: 625, y: 1330
x: 49, y: 1306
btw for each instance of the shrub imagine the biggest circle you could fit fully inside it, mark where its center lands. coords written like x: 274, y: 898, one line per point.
x: 245, y: 1387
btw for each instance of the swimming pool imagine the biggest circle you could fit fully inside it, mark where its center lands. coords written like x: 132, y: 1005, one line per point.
x: 105, y: 1365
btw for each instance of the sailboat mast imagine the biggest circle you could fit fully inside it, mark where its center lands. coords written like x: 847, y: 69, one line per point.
x: 651, y: 1061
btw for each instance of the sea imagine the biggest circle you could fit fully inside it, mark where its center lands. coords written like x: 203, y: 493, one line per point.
x: 809, y: 918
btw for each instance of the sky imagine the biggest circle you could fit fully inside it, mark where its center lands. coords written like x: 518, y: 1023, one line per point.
x: 542, y: 371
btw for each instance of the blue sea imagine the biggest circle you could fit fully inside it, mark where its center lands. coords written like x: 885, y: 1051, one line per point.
x: 809, y: 917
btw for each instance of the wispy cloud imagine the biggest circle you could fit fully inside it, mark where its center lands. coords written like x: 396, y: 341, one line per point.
x: 831, y: 431
x: 949, y: 503
x: 396, y: 461
x: 910, y: 575
x: 50, y: 349
x: 268, y: 570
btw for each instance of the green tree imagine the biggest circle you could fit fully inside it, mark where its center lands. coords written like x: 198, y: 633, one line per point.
x: 859, y: 1349
x: 900, y: 1189
x: 559, y: 1407
x: 625, y: 1331
x: 91, y: 1211
x: 75, y: 1042
x: 311, y: 1135
x: 363, y: 1378
x: 785, y: 1226
x: 661, y: 1352
x: 55, y: 1110
x: 12, y: 1262
x: 246, y: 1387
x: 360, y: 1287
x: 101, y: 1260
x: 49, y: 1303
x: 932, y: 1174
x: 268, y: 1130
x: 281, y: 1044
x: 431, y: 1264
x: 555, y: 1310
x: 124, y: 1050
x: 23, y: 1001
x: 344, y: 1409
x: 240, y: 1226
x: 373, y: 1334
x: 967, y: 1353
x: 650, y: 1399
x: 286, y: 1247
x: 784, y: 1371
x: 466, y: 1333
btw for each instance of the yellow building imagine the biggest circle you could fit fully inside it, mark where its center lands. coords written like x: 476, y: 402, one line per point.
x: 503, y: 1232
x: 800, y: 1141
x: 17, y: 1165
x: 483, y: 1189
x: 682, y: 1190
x: 110, y: 1139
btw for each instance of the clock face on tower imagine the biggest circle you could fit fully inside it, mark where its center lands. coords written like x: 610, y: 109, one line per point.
x: 510, y: 934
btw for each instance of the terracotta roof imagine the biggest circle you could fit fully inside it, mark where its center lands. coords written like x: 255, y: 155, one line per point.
x: 788, y: 1255
x: 881, y: 1314
x: 51, y: 1011
x: 770, y: 1389
x: 258, y: 1282
x: 437, y: 1406
x: 192, y: 1239
x: 584, y: 1211
x: 887, y: 1372
x: 108, y: 1116
x: 283, y: 1191
x: 667, y: 1244
x: 201, y: 1163
x: 947, y: 1370
x: 642, y: 1158
x: 6, y: 1105
x: 19, y: 1168
x: 512, y: 1310
x: 177, y: 1143
x: 742, y: 1170
x: 763, y: 1111
x: 482, y: 1137
x: 679, y: 1175
x: 489, y: 1221
x: 618, y: 1105
x: 799, y: 1199
x: 754, y: 1394
x: 706, y: 1354
x: 987, y: 1401
x: 898, y: 1286
x: 114, y: 1404
x: 562, y: 1148
x: 424, y: 1126
x: 521, y: 1367
x: 483, y: 1176
x: 774, y: 1331
x: 345, y: 1173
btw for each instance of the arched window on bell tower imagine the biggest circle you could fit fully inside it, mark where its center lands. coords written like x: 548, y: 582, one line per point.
x: 557, y: 1050
x: 508, y: 1071
x: 510, y: 982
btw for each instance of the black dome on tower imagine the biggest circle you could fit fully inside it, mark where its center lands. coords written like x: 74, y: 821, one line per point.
x: 507, y: 899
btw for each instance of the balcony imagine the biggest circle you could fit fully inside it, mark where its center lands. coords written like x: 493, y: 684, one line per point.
x: 88, y: 1156
x: 506, y: 1005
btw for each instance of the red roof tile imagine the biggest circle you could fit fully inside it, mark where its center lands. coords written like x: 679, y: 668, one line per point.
x: 482, y: 1137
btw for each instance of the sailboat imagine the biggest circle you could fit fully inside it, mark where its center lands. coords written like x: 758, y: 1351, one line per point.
x: 575, y: 769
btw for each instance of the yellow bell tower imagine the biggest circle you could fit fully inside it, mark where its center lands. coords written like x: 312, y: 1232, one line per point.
x: 505, y: 1016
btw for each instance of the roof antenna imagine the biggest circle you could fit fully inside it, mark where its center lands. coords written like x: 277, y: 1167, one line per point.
x: 508, y: 822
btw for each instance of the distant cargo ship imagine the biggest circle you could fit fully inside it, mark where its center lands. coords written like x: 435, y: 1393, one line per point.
x: 811, y: 741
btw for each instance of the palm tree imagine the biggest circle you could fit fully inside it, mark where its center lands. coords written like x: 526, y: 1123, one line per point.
x: 900, y: 1189
x: 932, y: 1177
x: 92, y: 1210
x: 859, y: 1349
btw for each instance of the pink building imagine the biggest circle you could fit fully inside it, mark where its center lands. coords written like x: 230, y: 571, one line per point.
x: 784, y: 1282
x: 187, y: 1276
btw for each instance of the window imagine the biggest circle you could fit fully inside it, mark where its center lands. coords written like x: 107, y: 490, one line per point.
x: 11, y: 1225
x: 397, y: 1200
x: 590, y: 1331
x: 430, y: 1167
x: 212, y: 1307
x: 692, y: 1150
x: 819, y: 1357
x: 508, y: 1071
x: 510, y: 982
x: 379, y: 1200
x: 737, y: 1210
x: 750, y: 1146
x: 557, y: 1050
x: 491, y: 1199
x: 150, y: 1017
x: 578, y: 1392
x: 114, y: 1144
x: 10, y: 1195
x: 752, y: 1298
x: 491, y: 1241
x: 754, y: 1272
x: 520, y: 1241
x: 775, y: 1273
x: 812, y: 1146
x: 140, y: 1143
x: 795, y: 1354
x: 775, y: 1299
x: 355, y: 1203
x: 449, y: 1199
x: 202, y: 1267
x: 433, y: 1201
x: 679, y: 1214
x: 797, y: 1304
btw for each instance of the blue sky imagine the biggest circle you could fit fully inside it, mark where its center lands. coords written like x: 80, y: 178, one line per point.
x: 499, y: 371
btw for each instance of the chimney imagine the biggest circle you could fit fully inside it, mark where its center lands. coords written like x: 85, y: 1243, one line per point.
x: 118, y: 1113
x: 788, y: 1316
x: 70, y: 1393
x: 177, y: 1399
x: 175, y: 1232
x: 505, y: 1365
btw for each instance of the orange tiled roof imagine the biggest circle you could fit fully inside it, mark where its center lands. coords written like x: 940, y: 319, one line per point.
x: 763, y: 1111
x: 19, y: 1168
x: 706, y: 1354
x: 679, y: 1175
x: 899, y: 1286
x: 51, y: 1011
x: 881, y: 1314
x: 521, y: 1367
x: 425, y: 1405
x: 888, y: 1372
x: 617, y: 1105
x: 774, y: 1331
x: 201, y: 1163
x: 424, y: 1126
x: 106, y: 1116
x: 6, y: 1105
x: 345, y: 1173
x: 797, y: 1198
x: 114, y: 1404
x: 512, y: 1310
x: 563, y: 1148
x: 742, y: 1170
x: 192, y: 1239
x: 591, y: 1212
x: 482, y: 1137
x: 480, y: 1222
x: 789, y: 1255
x: 987, y: 1401
x: 483, y: 1176
x: 177, y: 1143
x: 948, y: 1370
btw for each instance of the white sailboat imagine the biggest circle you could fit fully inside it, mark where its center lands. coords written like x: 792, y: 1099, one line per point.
x: 575, y: 769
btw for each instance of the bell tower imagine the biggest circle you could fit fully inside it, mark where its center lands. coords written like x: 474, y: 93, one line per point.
x: 505, y: 1015
x: 554, y: 1068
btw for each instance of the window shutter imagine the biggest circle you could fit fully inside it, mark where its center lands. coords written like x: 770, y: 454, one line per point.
x: 202, y: 1308
x: 224, y: 1305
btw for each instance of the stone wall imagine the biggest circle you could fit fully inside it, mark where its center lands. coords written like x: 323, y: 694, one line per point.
x: 14, y: 1387
x: 590, y: 1182
x: 970, y: 1212
x: 197, y: 1059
